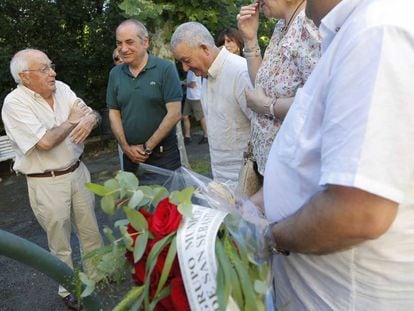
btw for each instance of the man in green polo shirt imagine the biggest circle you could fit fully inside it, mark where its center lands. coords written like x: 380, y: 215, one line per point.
x: 144, y: 100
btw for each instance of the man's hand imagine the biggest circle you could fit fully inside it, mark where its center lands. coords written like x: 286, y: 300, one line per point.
x: 257, y: 100
x: 136, y: 153
x: 76, y: 114
x: 83, y: 129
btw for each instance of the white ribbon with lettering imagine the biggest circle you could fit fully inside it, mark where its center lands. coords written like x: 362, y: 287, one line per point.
x: 196, y: 240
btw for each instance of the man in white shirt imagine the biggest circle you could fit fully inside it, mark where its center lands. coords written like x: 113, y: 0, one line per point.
x: 223, y: 98
x: 47, y: 125
x: 192, y: 105
x: 339, y: 182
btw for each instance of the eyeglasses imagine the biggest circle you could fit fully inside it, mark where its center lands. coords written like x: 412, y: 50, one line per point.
x: 45, y: 70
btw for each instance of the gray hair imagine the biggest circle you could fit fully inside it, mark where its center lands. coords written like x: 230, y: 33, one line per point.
x: 142, y: 31
x: 192, y: 34
x: 20, y: 63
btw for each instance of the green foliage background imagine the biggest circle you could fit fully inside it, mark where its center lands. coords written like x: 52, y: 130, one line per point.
x: 78, y: 35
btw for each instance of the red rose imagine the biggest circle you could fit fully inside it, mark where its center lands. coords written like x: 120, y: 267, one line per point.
x: 165, y: 219
x: 178, y: 295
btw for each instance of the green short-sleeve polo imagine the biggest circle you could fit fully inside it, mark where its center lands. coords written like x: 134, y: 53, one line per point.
x: 142, y: 100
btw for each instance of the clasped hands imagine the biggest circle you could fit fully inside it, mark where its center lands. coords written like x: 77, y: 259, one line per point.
x: 83, y: 117
x: 136, y: 153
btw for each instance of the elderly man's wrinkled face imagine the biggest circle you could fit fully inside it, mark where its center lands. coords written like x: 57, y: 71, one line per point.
x: 40, y: 75
x: 194, y: 59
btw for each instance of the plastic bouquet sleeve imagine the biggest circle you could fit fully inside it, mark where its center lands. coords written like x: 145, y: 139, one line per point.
x: 190, y: 243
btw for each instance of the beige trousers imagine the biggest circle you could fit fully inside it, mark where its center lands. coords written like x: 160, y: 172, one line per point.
x: 58, y: 202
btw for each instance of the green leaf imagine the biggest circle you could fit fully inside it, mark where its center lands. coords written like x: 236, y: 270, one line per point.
x: 184, y: 195
x: 140, y: 245
x: 220, y: 290
x: 108, y: 205
x: 126, y: 237
x: 109, y: 234
x: 185, y: 209
x: 156, y: 249
x: 97, y: 189
x: 121, y: 222
x: 260, y: 287
x: 89, y: 285
x: 99, y: 252
x: 112, y: 184
x: 183, y: 200
x: 172, y: 252
x: 136, y: 219
x: 136, y: 199
x: 129, y: 298
x: 164, y: 293
x: 160, y: 193
x: 127, y: 180
x: 246, y: 285
x: 225, y: 278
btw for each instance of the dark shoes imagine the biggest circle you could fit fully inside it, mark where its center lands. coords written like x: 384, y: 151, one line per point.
x: 187, y: 140
x: 71, y: 302
x: 203, y: 140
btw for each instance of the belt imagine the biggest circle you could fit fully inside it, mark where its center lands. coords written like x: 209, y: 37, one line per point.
x: 56, y: 173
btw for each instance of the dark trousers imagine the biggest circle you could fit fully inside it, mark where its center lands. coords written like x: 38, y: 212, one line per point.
x: 165, y: 156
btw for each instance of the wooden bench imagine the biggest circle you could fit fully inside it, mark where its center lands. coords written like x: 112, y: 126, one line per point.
x: 6, y: 150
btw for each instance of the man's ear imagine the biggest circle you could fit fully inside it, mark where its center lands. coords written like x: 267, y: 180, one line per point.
x: 146, y: 42
x: 24, y: 78
x: 205, y: 48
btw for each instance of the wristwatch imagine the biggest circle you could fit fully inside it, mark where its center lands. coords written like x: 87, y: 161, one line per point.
x: 147, y: 150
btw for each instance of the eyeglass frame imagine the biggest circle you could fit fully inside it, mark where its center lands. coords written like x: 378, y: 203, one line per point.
x: 45, y: 70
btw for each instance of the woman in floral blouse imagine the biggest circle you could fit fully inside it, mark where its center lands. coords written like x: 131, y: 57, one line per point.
x: 287, y: 62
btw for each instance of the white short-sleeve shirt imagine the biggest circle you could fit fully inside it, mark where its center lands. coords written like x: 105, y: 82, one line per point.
x: 193, y: 93
x: 352, y: 124
x: 27, y: 117
x: 227, y: 116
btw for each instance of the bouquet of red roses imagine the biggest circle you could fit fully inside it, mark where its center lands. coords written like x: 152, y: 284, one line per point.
x: 183, y: 255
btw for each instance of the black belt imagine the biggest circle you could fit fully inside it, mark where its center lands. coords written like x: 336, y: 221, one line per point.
x: 56, y: 173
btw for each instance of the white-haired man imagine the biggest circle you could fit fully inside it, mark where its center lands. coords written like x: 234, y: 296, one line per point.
x: 223, y: 98
x: 47, y: 124
x: 339, y: 181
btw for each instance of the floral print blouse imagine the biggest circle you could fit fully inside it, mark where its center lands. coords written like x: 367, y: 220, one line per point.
x: 287, y: 63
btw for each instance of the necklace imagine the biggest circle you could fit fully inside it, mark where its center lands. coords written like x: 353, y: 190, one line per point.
x: 286, y: 27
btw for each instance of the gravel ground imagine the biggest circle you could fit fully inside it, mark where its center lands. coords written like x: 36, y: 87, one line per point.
x: 23, y: 288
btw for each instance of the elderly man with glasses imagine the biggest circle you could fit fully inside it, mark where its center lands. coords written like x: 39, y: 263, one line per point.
x: 47, y: 124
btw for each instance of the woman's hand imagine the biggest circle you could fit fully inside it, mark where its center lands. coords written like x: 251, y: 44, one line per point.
x: 248, y: 23
x: 257, y: 100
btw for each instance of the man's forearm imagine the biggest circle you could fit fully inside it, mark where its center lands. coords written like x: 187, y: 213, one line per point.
x: 117, y: 128
x: 170, y: 120
x: 55, y: 136
x: 334, y: 220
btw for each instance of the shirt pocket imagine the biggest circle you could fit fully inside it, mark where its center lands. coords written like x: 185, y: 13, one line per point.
x: 291, y: 135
